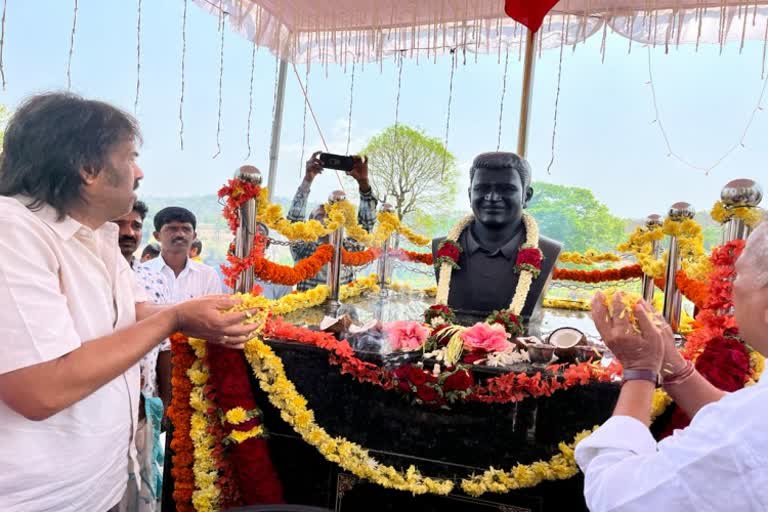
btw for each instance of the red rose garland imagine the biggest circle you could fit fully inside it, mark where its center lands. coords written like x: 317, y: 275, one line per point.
x: 529, y: 258
x: 504, y: 389
x: 448, y: 252
x: 257, y: 480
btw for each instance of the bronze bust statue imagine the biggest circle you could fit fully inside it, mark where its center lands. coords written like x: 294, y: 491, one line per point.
x: 499, y: 191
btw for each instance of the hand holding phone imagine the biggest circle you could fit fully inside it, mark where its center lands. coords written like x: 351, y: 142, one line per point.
x: 338, y: 162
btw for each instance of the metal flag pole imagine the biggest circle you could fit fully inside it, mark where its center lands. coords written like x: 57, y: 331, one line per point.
x: 529, y: 66
x: 277, y: 127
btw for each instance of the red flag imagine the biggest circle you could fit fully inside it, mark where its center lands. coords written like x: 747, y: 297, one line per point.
x: 529, y: 12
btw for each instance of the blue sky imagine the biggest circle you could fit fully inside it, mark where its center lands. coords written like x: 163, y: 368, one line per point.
x: 606, y: 138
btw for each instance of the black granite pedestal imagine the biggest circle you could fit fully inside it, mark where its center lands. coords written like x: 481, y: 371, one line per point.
x: 457, y: 443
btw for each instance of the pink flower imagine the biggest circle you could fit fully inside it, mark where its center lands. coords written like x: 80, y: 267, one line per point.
x: 403, y: 335
x: 486, y: 338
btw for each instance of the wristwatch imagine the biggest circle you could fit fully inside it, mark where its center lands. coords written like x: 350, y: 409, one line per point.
x: 648, y: 375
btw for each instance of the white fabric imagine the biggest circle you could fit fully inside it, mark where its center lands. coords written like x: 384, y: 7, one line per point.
x: 343, y: 31
x: 157, y: 292
x: 720, y: 462
x: 62, y: 285
x: 196, y: 280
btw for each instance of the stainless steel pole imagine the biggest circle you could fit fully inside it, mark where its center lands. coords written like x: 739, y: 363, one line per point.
x: 277, y: 127
x: 247, y: 229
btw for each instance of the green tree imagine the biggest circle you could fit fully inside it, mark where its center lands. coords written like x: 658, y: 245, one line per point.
x: 575, y: 217
x: 413, y: 171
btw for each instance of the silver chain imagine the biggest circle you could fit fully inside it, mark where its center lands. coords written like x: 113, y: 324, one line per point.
x: 399, y: 265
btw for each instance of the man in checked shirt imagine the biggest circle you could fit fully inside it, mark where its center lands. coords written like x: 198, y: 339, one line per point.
x: 366, y: 217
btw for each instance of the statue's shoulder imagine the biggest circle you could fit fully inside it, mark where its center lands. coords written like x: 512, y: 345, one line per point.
x: 436, y: 243
x: 549, y: 246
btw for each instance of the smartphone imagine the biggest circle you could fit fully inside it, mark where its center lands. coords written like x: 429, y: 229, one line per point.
x: 339, y: 162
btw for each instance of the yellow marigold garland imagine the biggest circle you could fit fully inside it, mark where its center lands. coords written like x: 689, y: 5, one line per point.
x: 341, y: 213
x: 560, y: 467
x: 640, y: 245
x: 750, y: 215
x: 590, y: 257
x: 575, y: 305
x: 206, y: 497
x: 269, y: 371
x: 388, y: 223
x: 690, y: 242
x: 306, y: 299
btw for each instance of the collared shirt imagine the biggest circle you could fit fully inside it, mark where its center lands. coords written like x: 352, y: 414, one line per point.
x: 720, y: 462
x: 156, y: 290
x: 196, y: 280
x: 366, y: 217
x: 63, y: 285
x: 486, y: 280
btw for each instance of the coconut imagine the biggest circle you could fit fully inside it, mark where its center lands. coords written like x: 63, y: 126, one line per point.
x: 566, y: 341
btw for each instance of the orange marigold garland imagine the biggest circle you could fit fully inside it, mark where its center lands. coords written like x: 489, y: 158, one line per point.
x: 273, y: 272
x: 413, y: 257
x: 180, y: 414
x: 598, y: 276
x: 359, y: 258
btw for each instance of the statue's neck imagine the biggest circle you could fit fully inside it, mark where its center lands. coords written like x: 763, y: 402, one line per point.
x: 495, y: 237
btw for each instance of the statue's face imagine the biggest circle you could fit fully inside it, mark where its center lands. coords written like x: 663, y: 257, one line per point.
x: 497, y: 197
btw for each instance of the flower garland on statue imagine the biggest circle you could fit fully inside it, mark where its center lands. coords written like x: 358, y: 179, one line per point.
x: 528, y: 263
x: 750, y: 215
x: 590, y: 257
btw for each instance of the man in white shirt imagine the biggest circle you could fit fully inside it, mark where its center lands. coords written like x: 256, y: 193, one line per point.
x: 720, y: 462
x: 73, y: 324
x: 175, y: 230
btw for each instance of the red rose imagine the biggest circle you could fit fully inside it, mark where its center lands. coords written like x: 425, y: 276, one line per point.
x: 427, y: 394
x: 531, y: 256
x: 459, y: 381
x: 402, y: 372
x: 404, y: 385
x: 417, y: 376
x: 449, y: 251
x: 440, y: 308
x: 724, y: 363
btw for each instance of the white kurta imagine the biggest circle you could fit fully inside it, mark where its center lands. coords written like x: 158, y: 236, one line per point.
x: 718, y: 463
x: 62, y: 285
